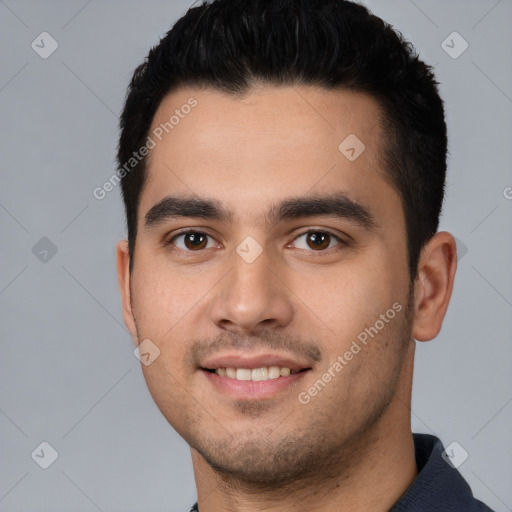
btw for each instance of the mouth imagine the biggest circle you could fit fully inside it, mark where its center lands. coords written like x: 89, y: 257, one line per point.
x: 255, y: 374
x: 244, y: 377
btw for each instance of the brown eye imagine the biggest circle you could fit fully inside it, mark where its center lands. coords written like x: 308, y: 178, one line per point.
x: 191, y: 241
x: 318, y: 240
x: 195, y: 241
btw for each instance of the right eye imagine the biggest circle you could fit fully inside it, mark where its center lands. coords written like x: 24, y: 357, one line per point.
x: 190, y: 241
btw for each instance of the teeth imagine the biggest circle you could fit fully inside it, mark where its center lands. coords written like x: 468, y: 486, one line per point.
x: 274, y: 372
x: 259, y: 374
x: 255, y: 374
x: 243, y: 374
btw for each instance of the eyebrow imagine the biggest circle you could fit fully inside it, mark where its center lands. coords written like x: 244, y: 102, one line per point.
x: 337, y: 205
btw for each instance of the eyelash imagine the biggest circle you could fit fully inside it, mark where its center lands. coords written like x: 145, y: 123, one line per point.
x: 194, y: 231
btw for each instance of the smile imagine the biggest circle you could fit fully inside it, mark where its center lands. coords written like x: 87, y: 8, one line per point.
x: 255, y: 374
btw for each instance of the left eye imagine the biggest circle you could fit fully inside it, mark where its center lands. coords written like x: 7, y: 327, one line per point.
x: 318, y: 240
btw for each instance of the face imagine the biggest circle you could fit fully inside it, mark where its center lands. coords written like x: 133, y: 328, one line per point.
x: 268, y: 239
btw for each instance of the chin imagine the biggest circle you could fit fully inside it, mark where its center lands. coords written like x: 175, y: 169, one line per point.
x: 256, y: 462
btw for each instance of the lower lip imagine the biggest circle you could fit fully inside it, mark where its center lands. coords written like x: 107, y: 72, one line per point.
x: 253, y: 390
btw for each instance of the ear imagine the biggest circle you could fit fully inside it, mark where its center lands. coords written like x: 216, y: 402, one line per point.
x: 434, y: 284
x: 123, y: 276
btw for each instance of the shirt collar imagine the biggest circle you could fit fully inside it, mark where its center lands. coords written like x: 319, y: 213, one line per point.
x: 438, y: 486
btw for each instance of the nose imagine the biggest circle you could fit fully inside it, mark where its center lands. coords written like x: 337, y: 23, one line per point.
x: 252, y: 297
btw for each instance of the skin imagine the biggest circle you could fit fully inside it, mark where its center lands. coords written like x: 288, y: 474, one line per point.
x: 352, y: 443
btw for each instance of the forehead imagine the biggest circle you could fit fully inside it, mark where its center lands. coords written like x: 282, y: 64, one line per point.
x: 272, y: 143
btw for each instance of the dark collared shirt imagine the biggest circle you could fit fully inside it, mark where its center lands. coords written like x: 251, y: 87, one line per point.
x: 439, y: 487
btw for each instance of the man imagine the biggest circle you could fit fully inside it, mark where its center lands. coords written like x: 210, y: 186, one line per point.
x: 283, y: 167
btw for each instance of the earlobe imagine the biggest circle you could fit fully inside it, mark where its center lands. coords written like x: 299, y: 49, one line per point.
x: 123, y: 276
x: 434, y: 285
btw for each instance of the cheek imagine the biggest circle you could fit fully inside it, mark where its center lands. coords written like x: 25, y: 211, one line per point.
x: 168, y: 390
x: 342, y: 300
x: 162, y: 298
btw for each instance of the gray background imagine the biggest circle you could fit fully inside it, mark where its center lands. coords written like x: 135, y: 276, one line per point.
x: 68, y: 373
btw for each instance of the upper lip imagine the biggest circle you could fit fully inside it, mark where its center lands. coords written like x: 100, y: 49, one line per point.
x: 239, y: 360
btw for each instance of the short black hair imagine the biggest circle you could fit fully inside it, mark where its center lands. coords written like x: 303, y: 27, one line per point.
x: 233, y: 45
